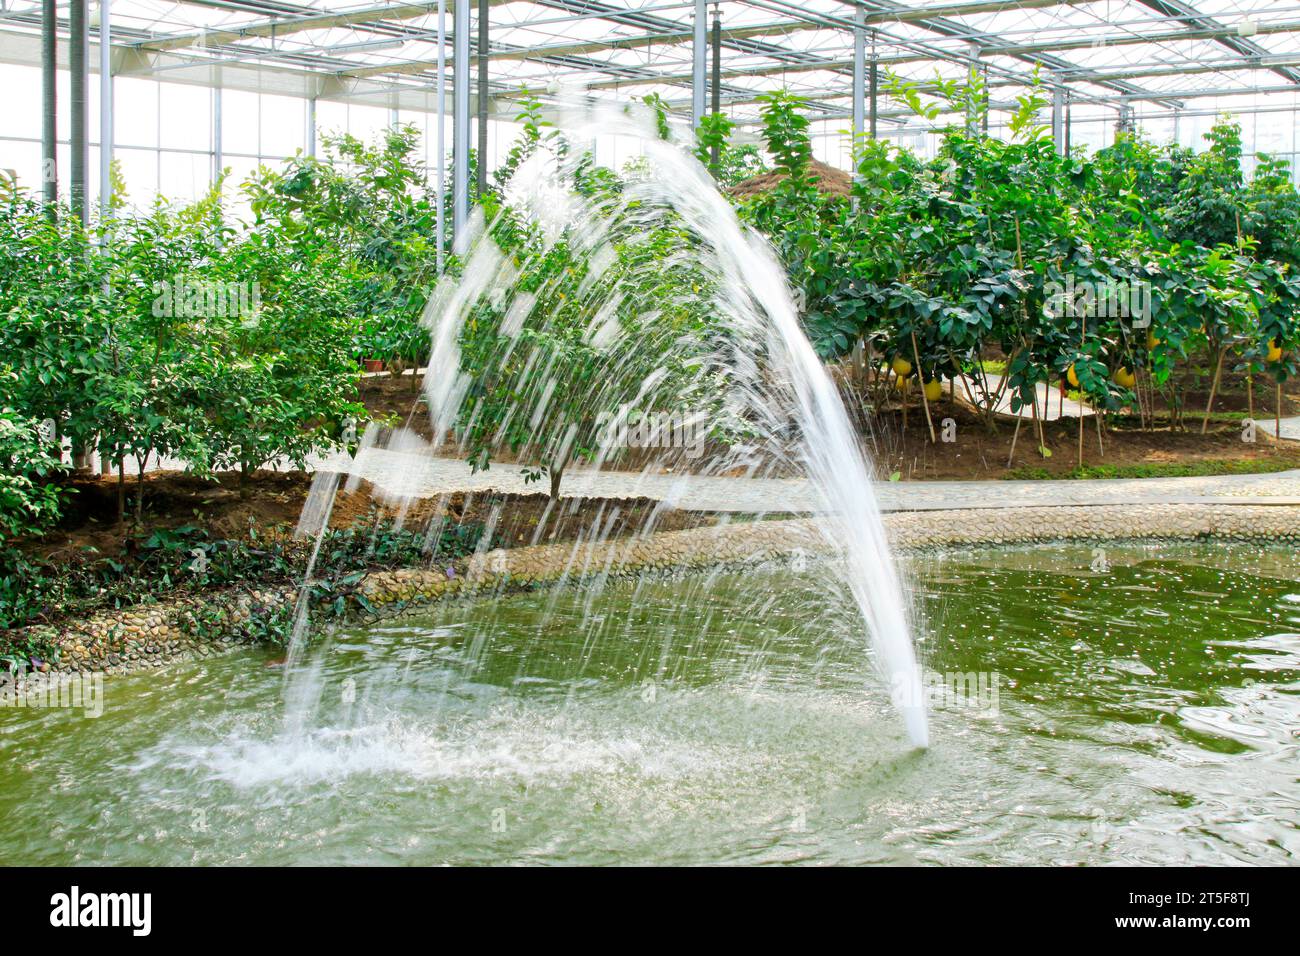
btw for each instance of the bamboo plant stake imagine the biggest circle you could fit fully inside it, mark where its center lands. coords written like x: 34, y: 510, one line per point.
x: 1149, y: 400
x: 1141, y: 376
x: 1014, y: 436
x: 925, y: 401
x: 1214, y: 387
x: 1038, y: 420
x: 1277, y: 425
x: 1024, y: 312
x: 1083, y: 334
x: 901, y: 385
x: 965, y: 381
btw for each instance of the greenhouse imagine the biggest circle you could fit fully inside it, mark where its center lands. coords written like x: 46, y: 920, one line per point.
x: 651, y: 432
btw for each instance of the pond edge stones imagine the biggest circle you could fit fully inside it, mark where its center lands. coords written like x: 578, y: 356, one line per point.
x: 148, y: 636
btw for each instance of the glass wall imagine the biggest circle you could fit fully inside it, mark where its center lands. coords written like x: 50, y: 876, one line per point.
x: 165, y: 133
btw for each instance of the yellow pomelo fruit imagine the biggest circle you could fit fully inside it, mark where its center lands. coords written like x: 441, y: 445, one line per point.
x: 1124, y: 378
x: 1274, y: 351
x: 902, y: 367
x: 933, y: 390
x: 1071, y: 377
x: 1152, y: 341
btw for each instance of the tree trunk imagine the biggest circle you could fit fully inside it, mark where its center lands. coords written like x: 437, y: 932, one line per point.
x: 81, y: 458
x: 121, y: 490
x: 1214, y: 388
x: 557, y: 474
x: 139, y: 492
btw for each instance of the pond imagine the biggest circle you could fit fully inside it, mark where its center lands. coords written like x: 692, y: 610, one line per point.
x: 1133, y: 705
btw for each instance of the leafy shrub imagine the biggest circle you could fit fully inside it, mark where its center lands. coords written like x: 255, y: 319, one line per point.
x: 29, y: 501
x: 169, y: 562
x: 934, y: 262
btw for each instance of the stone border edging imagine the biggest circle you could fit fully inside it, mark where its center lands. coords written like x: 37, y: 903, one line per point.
x: 1040, y: 524
x: 148, y: 637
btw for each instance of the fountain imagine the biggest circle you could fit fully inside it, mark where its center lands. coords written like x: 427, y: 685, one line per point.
x: 583, y: 332
x: 1142, y: 712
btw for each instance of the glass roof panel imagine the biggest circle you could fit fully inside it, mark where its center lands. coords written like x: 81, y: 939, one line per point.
x: 632, y: 47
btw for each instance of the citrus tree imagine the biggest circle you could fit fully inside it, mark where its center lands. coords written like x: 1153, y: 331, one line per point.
x: 584, y: 331
x: 1105, y: 273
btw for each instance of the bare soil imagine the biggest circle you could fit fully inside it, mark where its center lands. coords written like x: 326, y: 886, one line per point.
x: 273, y: 501
x: 978, y: 453
x: 399, y: 401
x: 519, y: 520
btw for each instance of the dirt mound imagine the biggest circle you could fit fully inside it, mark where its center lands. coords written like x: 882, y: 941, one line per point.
x: 827, y: 179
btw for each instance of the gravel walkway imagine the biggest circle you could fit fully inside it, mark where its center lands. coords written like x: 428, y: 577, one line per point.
x: 420, y: 476
x: 425, y: 477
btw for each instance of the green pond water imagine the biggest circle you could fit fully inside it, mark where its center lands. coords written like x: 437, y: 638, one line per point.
x: 1147, y: 712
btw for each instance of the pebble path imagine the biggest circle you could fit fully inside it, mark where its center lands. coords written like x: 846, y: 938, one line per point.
x: 428, y: 477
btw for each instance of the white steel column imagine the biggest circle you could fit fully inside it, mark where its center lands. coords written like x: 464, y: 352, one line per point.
x: 699, y: 52
x: 1058, y: 119
x: 218, y: 161
x: 310, y: 131
x: 105, y: 111
x: 78, y: 81
x: 873, y: 96
x: 859, y: 76
x: 460, y: 124
x: 441, y: 134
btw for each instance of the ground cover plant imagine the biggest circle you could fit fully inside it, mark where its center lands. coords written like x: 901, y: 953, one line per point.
x: 1148, y: 281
